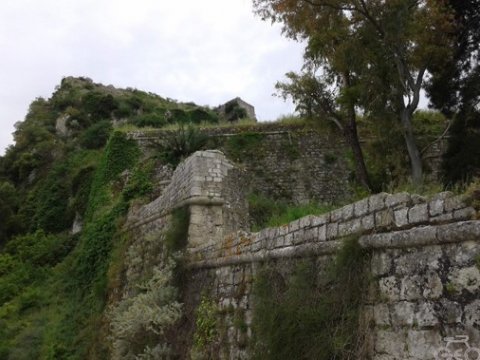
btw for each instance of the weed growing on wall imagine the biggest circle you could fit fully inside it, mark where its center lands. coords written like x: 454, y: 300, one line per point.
x: 206, y: 330
x: 308, y: 315
x: 181, y: 143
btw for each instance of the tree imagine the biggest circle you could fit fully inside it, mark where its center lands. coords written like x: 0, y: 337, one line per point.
x: 455, y: 90
x: 393, y: 44
x: 314, y: 96
x: 453, y: 86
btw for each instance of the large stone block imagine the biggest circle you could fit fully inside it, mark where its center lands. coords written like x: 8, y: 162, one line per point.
x: 401, y: 217
x: 377, y: 202
x: 403, y: 313
x: 423, y: 344
x: 381, y: 263
x: 384, y: 218
x: 397, y: 200
x: 418, y: 214
x: 465, y: 279
x: 425, y: 315
x: 392, y: 343
x: 472, y: 314
x: 360, y: 208
x: 381, y: 314
x: 389, y: 289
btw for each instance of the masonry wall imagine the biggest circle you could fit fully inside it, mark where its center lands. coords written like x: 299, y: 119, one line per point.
x: 289, y: 162
x: 292, y: 163
x: 425, y: 277
x: 425, y: 280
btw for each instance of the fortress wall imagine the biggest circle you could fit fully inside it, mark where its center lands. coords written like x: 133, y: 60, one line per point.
x: 424, y: 268
x: 288, y: 162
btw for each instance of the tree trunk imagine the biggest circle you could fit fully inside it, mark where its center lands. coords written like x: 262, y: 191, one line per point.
x: 351, y: 135
x: 361, y: 173
x: 412, y: 148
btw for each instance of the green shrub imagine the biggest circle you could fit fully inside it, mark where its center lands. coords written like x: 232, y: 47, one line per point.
x: 233, y: 111
x: 180, y: 144
x: 39, y: 248
x: 140, y: 182
x: 124, y: 109
x: 156, y: 120
x: 308, y: 316
x: 429, y: 123
x: 139, y: 323
x: 198, y: 116
x: 96, y: 135
x: 99, y: 105
x: 262, y: 209
x: 462, y: 160
x: 179, y: 116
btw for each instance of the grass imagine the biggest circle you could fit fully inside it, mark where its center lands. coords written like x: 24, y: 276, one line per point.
x: 266, y: 212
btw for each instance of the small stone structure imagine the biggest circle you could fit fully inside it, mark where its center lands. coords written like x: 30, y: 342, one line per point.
x: 425, y: 278
x: 225, y: 109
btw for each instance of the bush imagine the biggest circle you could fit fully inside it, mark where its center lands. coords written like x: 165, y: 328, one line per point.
x: 140, y: 182
x: 156, y: 120
x: 199, y: 116
x: 39, y: 249
x: 308, y: 316
x: 99, y: 105
x: 96, y: 135
x: 181, y: 143
x: 139, y: 323
x: 233, y: 111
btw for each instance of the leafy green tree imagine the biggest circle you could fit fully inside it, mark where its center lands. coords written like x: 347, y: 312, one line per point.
x: 380, y: 48
x: 455, y: 90
x: 315, y: 96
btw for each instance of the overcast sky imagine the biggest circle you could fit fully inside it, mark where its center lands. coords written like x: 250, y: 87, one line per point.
x: 203, y: 51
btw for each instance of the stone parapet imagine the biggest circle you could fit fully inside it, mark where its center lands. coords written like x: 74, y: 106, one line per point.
x: 385, y: 220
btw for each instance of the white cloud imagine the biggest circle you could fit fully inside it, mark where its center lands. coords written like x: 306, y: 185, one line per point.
x: 202, y: 51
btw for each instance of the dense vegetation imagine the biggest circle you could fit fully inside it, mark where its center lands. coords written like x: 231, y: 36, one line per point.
x: 72, y: 162
x: 69, y: 164
x: 309, y: 314
x: 376, y: 57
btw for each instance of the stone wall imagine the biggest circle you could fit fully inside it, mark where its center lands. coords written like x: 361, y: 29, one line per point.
x: 425, y: 280
x: 289, y: 162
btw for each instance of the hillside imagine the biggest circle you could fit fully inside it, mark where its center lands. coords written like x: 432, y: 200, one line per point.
x: 94, y: 209
x: 64, y: 171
